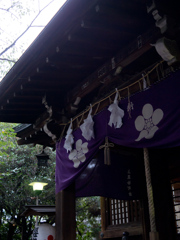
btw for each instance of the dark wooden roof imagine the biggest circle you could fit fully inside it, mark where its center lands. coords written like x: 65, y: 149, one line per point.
x: 39, y: 210
x: 81, y: 38
x: 26, y: 134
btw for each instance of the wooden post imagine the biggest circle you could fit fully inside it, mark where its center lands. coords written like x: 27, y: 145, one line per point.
x: 104, y: 213
x: 65, y: 214
x: 153, y: 234
x: 24, y: 227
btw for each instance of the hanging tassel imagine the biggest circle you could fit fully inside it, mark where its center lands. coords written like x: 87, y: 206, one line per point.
x: 105, y: 156
x: 69, y: 138
x: 87, y: 127
x: 116, y: 113
x: 108, y: 156
x: 106, y: 146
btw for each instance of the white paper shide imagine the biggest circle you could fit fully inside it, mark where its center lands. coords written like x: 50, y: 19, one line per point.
x: 69, y: 139
x: 116, y: 113
x: 87, y: 127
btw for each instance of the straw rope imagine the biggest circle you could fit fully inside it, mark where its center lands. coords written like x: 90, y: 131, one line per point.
x: 149, y: 191
x: 97, y: 108
x: 82, y: 116
x: 112, y: 94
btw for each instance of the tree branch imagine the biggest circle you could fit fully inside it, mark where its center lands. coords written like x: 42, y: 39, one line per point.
x: 4, y: 9
x: 8, y: 60
x: 7, y: 10
x: 11, y: 45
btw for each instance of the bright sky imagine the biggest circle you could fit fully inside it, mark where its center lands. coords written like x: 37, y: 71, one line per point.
x: 15, y: 21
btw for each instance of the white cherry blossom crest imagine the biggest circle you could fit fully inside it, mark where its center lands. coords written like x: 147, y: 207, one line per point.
x: 147, y: 122
x: 78, y: 155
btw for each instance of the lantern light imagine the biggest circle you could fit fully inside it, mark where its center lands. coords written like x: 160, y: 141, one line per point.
x: 38, y: 185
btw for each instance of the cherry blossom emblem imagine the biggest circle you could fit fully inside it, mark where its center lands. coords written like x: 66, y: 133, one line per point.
x: 78, y: 155
x: 147, y: 122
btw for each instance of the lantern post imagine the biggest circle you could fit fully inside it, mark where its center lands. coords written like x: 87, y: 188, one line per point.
x: 37, y: 186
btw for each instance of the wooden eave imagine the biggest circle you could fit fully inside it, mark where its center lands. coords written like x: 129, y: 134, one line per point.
x: 81, y: 37
x: 67, y: 59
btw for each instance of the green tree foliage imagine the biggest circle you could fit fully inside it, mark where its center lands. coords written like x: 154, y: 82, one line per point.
x: 6, y: 136
x: 88, y: 218
x: 18, y: 168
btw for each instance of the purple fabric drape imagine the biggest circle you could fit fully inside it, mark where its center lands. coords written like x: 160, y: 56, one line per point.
x: 154, y: 123
x: 123, y: 179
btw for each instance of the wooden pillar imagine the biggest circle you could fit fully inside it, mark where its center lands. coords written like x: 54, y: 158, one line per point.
x: 24, y: 227
x: 153, y: 233
x: 161, y: 194
x: 163, y: 201
x: 104, y: 213
x: 65, y: 214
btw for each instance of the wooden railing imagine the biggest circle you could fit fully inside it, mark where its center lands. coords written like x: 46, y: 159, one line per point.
x: 122, y: 211
x: 176, y: 200
x: 120, y: 216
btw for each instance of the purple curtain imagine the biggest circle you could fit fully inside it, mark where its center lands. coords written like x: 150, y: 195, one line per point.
x: 123, y: 179
x: 153, y: 122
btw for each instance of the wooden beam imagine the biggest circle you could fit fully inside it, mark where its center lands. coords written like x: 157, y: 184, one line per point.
x: 40, y: 121
x: 123, y: 18
x: 14, y: 118
x: 42, y: 91
x: 75, y: 49
x: 21, y: 104
x: 85, y: 37
x: 65, y: 214
x: 45, y: 141
x: 105, y: 28
x: 32, y: 133
x: 134, y: 7
x: 68, y: 60
x: 126, y: 56
x: 116, y: 232
x: 64, y: 77
x: 11, y: 110
x: 50, y: 81
x: 28, y: 96
x: 24, y: 112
